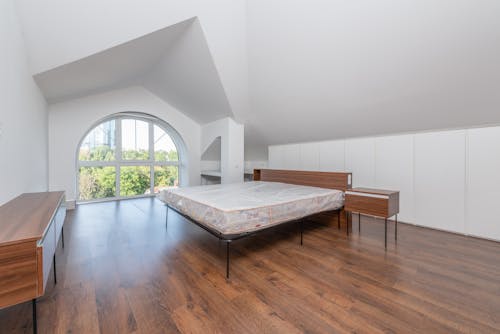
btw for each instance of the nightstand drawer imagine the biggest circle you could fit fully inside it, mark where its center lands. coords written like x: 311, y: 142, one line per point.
x: 372, y: 204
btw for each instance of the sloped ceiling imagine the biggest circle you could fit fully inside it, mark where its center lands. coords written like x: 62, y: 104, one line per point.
x: 317, y: 69
x: 335, y: 69
x: 173, y: 63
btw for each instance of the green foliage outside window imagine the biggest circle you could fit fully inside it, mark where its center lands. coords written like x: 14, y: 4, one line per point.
x: 97, y: 182
x: 134, y: 180
x: 98, y: 153
x: 100, y: 182
x: 166, y: 156
x: 166, y: 176
x: 135, y: 155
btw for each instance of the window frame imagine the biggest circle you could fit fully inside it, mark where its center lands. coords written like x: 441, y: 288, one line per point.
x: 119, y: 162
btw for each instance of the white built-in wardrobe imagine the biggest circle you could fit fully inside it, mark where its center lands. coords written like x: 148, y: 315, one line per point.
x: 449, y: 180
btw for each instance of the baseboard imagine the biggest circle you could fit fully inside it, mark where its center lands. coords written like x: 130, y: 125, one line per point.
x: 70, y: 205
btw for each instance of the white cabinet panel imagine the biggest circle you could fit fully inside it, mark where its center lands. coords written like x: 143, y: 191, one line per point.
x: 440, y: 180
x: 276, y: 156
x: 59, y: 219
x: 332, y: 156
x: 292, y: 157
x: 309, y: 156
x: 394, y: 171
x: 483, y: 192
x: 48, y: 250
x: 360, y: 160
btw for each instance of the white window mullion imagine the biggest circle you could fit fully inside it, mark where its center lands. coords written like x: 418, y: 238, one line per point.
x: 151, y: 158
x: 118, y: 155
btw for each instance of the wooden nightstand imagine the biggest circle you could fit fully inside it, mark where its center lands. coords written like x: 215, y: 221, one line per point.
x: 373, y: 202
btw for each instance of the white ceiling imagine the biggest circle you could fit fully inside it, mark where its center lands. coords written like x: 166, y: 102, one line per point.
x: 173, y: 63
x: 292, y: 71
x: 108, y: 68
x: 335, y: 69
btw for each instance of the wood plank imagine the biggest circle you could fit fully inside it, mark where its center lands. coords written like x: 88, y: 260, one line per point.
x: 18, y: 273
x: 330, y: 180
x: 26, y: 217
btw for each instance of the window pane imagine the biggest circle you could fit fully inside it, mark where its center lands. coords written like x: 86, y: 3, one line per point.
x: 165, y: 177
x: 165, y: 149
x: 97, y: 182
x: 99, y: 144
x: 134, y: 180
x: 135, y: 140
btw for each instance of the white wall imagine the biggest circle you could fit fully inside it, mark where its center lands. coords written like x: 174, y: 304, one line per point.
x: 23, y: 115
x: 448, y: 180
x: 250, y: 165
x: 69, y: 122
x: 232, y: 147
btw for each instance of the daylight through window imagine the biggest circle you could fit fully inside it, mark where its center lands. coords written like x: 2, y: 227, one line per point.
x: 125, y: 157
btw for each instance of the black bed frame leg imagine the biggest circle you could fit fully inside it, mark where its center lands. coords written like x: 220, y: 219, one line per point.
x: 35, y: 324
x: 396, y: 229
x: 359, y: 222
x: 301, y: 230
x: 55, y: 274
x: 62, y: 236
x: 227, y: 259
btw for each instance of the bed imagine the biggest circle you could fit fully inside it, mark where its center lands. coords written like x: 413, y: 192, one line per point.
x: 234, y: 211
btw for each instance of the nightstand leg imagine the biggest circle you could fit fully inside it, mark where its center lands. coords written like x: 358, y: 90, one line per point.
x: 35, y: 323
x: 227, y: 258
x: 359, y: 222
x: 396, y: 229
x: 55, y: 274
x: 385, y: 221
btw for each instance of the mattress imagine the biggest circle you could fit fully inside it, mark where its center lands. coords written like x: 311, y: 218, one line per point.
x: 239, y: 208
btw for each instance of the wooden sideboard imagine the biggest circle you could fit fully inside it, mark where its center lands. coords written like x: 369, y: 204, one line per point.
x: 31, y: 226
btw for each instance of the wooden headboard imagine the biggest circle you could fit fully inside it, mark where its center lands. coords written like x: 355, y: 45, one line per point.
x: 331, y: 180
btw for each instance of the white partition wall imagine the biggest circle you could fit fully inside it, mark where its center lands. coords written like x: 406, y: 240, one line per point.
x: 440, y: 180
x: 394, y: 170
x: 483, y: 186
x: 291, y: 157
x: 448, y: 180
x: 332, y: 156
x: 276, y: 157
x: 360, y: 161
x: 309, y: 156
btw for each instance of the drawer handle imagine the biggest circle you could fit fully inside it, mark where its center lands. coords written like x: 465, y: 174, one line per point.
x: 366, y: 195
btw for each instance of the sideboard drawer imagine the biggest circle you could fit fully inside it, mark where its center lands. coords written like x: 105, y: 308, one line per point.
x: 59, y: 220
x: 47, y: 249
x: 18, y: 273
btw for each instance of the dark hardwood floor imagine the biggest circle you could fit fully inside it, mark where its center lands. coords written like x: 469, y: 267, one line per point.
x: 123, y: 272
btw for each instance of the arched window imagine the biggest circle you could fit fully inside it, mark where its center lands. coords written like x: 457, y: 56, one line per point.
x: 128, y: 155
